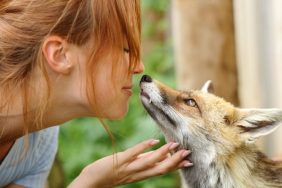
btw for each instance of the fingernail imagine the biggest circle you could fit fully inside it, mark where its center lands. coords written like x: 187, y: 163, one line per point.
x: 154, y: 142
x: 185, y: 153
x: 188, y: 164
x: 173, y: 146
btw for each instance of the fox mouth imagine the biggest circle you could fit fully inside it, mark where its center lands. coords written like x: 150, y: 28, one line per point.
x: 163, y: 119
x: 158, y: 108
x: 153, y: 102
x: 153, y: 109
x: 145, y: 95
x: 155, y: 112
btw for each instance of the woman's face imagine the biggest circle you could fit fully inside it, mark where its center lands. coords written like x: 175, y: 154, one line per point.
x: 113, y: 84
x: 113, y: 89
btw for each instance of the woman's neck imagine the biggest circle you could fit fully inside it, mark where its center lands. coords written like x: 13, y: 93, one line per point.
x: 13, y: 124
x: 67, y: 101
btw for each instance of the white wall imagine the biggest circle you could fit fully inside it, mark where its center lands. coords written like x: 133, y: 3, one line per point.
x: 258, y: 31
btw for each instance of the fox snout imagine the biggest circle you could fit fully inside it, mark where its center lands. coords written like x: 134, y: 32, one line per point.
x: 159, y: 101
x: 155, y: 100
x: 149, y: 90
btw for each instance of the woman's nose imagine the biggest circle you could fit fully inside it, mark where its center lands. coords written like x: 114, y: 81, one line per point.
x: 139, y: 68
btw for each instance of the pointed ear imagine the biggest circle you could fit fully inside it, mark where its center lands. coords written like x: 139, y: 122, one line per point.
x: 258, y: 122
x: 208, y: 87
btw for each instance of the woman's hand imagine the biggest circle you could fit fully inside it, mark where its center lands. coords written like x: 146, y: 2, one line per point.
x: 132, y: 165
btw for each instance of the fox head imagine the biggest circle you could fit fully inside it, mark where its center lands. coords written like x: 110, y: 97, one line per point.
x: 203, y: 122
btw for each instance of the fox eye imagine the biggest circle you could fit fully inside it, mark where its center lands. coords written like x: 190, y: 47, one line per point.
x: 190, y: 102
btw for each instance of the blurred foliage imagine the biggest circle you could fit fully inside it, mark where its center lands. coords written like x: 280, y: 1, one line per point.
x: 84, y: 140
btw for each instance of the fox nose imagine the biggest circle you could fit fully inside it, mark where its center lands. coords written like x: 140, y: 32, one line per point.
x: 146, y: 78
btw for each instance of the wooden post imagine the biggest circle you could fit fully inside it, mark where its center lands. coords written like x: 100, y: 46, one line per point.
x: 259, y: 55
x: 203, y: 36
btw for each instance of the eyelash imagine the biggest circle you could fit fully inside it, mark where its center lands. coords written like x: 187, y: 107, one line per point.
x: 126, y: 50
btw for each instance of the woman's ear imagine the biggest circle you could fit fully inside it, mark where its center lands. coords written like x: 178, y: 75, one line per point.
x: 54, y: 49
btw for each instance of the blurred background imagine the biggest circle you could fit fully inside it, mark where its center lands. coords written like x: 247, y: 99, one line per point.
x: 236, y: 44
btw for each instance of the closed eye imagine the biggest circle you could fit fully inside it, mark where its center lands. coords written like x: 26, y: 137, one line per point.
x: 190, y: 102
x: 126, y: 50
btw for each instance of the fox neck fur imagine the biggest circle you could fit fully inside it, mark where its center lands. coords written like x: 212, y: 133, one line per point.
x: 245, y: 168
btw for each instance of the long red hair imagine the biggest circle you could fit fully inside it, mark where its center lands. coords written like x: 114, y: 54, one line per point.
x: 24, y: 24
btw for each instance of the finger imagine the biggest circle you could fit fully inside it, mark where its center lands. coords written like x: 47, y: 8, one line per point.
x: 164, y: 150
x: 147, y: 154
x: 185, y: 164
x: 142, y: 155
x: 138, y: 149
x: 173, y: 163
x: 156, y: 156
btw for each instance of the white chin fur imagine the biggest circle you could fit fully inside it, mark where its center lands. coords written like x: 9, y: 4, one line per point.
x: 145, y: 100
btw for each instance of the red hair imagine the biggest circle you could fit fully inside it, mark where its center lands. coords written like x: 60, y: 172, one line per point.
x: 24, y: 24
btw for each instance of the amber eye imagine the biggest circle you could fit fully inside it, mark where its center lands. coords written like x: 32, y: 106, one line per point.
x: 190, y: 102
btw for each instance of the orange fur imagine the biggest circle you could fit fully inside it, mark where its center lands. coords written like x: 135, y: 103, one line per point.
x: 220, y: 136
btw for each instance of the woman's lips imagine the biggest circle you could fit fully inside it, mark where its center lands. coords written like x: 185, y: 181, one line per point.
x: 128, y: 90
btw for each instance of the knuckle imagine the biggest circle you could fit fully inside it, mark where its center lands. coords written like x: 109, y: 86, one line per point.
x: 163, y: 150
x: 163, y: 170
x: 144, y: 143
x: 176, y: 158
x: 141, y: 146
x: 157, y: 156
x: 147, y: 164
x: 182, y: 154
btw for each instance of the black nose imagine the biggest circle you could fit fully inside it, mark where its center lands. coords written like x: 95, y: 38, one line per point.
x: 146, y: 78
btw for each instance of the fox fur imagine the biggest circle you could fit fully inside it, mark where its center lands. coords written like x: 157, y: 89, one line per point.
x: 220, y: 136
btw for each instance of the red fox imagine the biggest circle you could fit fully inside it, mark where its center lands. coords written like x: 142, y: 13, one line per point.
x: 220, y: 136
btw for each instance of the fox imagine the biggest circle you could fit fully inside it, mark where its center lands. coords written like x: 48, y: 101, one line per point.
x: 221, y: 137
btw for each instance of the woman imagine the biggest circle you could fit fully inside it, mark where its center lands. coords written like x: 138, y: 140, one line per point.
x: 64, y: 59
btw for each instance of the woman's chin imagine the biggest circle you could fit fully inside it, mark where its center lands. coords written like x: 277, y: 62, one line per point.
x: 118, y: 114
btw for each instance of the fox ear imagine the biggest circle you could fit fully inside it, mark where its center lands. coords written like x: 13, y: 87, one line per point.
x: 258, y: 122
x: 208, y: 87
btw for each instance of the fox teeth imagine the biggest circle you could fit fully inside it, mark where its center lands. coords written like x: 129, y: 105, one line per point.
x: 150, y: 100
